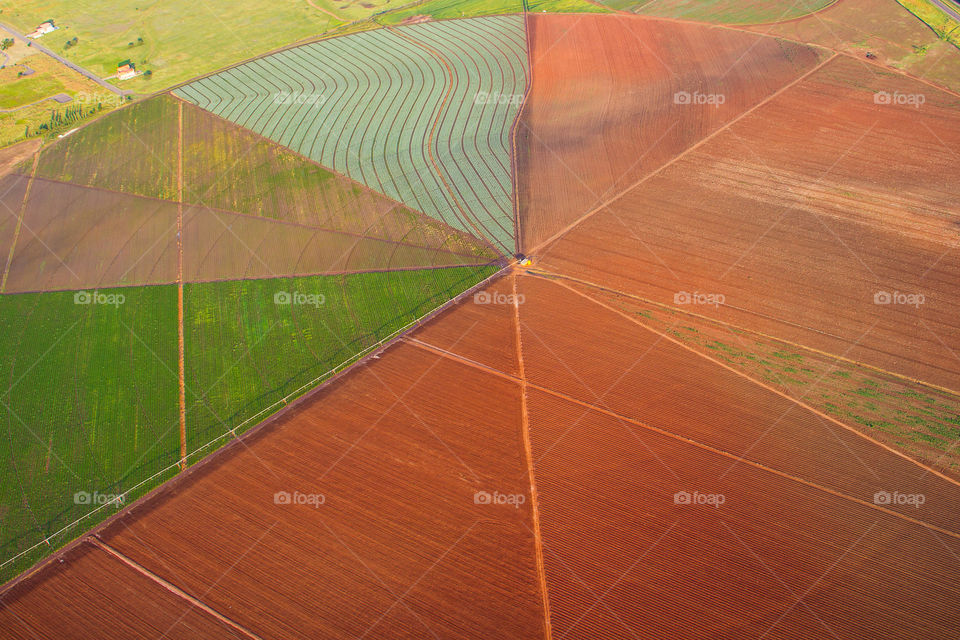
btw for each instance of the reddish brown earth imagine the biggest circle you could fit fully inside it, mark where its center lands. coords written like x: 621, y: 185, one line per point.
x: 855, y: 198
x: 14, y: 154
x: 601, y: 111
x: 12, y: 190
x: 96, y: 595
x: 399, y: 548
x: 227, y: 246
x: 75, y: 238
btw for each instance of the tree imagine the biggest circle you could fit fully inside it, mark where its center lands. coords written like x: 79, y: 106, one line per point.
x: 6, y: 44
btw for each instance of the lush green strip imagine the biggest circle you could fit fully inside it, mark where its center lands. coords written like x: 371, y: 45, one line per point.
x: 252, y: 343
x: 88, y: 402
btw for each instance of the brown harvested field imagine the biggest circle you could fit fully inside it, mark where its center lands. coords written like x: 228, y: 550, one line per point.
x: 12, y: 190
x: 16, y: 153
x: 96, y: 595
x: 775, y: 560
x: 480, y: 329
x: 76, y: 238
x: 227, y: 167
x: 603, y: 112
x: 399, y: 548
x: 887, y: 30
x: 853, y: 199
x: 227, y: 246
x: 626, y: 369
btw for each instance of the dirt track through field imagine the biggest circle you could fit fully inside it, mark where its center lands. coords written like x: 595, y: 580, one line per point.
x: 16, y: 231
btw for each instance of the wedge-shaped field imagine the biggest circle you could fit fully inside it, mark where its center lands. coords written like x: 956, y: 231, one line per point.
x: 12, y: 190
x: 88, y: 403
x: 615, y: 97
x: 842, y: 235
x: 724, y: 11
x: 133, y: 150
x: 395, y: 544
x: 421, y: 113
x: 76, y: 237
x: 251, y: 344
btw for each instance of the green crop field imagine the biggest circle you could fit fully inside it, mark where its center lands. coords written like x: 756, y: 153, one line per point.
x: 88, y: 402
x: 723, y: 11
x: 245, y: 352
x: 448, y: 9
x: 133, y: 150
x: 375, y: 106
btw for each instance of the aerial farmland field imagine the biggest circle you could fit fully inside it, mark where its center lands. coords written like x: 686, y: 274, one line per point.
x: 482, y: 319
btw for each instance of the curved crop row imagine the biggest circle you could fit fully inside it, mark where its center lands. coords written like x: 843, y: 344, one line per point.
x: 421, y: 113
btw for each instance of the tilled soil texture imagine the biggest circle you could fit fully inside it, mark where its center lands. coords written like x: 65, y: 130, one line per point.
x: 391, y: 540
x: 100, y: 596
x: 480, y: 329
x: 887, y: 31
x: 227, y: 167
x: 78, y: 238
x: 842, y: 235
x: 615, y: 97
x: 646, y: 535
x: 621, y: 367
x: 227, y: 246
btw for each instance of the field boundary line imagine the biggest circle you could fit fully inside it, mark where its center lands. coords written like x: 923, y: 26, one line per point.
x: 763, y: 385
x: 451, y: 80
x: 181, y: 368
x: 700, y: 445
x: 557, y: 236
x: 279, y: 409
x: 23, y: 212
x: 528, y: 455
x: 169, y: 586
x: 515, y: 160
x: 467, y: 361
x: 899, y: 376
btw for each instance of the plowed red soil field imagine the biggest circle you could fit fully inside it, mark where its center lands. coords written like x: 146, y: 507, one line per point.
x: 615, y: 97
x: 399, y: 547
x: 773, y: 560
x: 104, y: 239
x: 854, y: 200
x: 94, y: 595
x: 624, y: 368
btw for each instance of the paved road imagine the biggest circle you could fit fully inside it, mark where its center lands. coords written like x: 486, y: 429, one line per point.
x: 62, y: 60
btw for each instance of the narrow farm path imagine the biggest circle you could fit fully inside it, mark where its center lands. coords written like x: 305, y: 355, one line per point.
x: 16, y: 232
